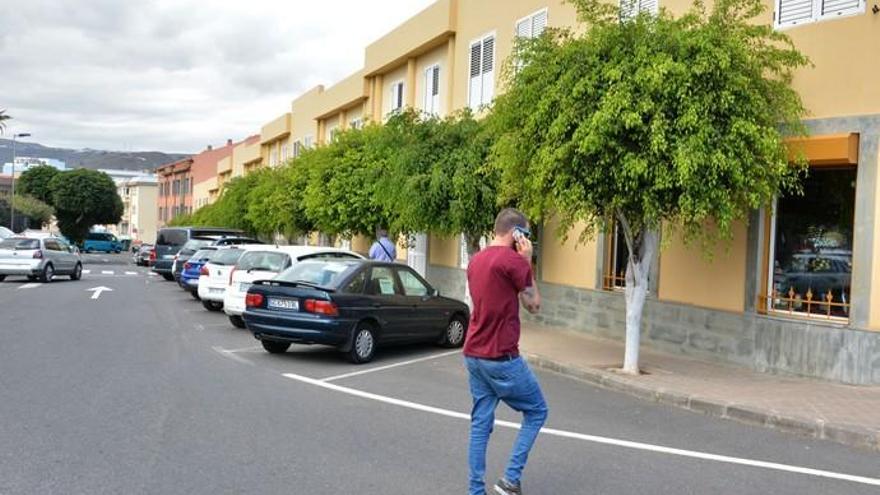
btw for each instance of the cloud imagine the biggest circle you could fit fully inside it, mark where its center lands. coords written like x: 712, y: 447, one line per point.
x: 174, y: 75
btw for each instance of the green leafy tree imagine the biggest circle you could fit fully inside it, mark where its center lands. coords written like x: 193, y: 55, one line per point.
x: 341, y: 197
x: 275, y: 203
x: 83, y: 198
x: 437, y: 180
x: 649, y: 122
x: 29, y: 212
x: 35, y: 182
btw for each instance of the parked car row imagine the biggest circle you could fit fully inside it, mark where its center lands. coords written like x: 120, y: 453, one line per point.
x: 308, y: 294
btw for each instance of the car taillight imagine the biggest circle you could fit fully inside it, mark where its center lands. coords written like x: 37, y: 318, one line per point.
x: 204, y: 270
x: 253, y: 300
x: 320, y: 307
x: 187, y: 266
x: 231, y: 273
x: 38, y: 254
x: 152, y: 255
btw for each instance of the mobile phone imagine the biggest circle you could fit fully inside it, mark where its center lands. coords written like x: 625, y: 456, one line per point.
x: 520, y: 233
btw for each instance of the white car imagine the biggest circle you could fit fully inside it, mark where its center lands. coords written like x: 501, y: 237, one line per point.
x: 214, y: 275
x: 4, y: 233
x: 264, y: 264
x: 38, y: 259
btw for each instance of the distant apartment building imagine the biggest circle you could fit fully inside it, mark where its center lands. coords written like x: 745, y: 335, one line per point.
x: 25, y: 163
x: 175, y: 190
x: 204, y: 173
x: 139, y: 217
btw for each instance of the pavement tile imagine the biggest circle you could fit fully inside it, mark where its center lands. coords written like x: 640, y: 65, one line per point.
x: 843, y: 413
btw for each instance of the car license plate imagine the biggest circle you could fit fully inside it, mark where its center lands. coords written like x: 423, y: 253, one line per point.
x: 243, y: 287
x: 291, y: 304
x: 215, y: 291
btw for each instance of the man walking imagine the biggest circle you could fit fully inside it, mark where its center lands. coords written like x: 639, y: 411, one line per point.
x: 383, y: 249
x: 500, y: 278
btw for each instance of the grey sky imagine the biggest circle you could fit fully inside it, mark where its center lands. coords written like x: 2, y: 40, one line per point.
x: 174, y: 75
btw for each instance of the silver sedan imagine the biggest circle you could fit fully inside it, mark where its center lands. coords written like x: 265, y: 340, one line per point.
x: 41, y: 259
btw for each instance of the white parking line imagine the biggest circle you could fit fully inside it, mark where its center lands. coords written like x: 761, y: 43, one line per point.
x: 389, y: 366
x: 86, y: 272
x: 593, y: 438
x: 106, y: 272
x: 131, y: 273
x: 231, y: 355
x: 29, y: 285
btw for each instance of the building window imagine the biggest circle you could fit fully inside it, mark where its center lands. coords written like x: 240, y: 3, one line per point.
x: 432, y: 90
x: 333, y: 132
x: 616, y: 259
x: 297, y: 149
x: 482, y: 72
x: 308, y: 141
x: 396, y: 96
x: 533, y: 26
x: 284, y: 152
x: 632, y: 8
x: 356, y: 123
x: 810, y: 258
x: 796, y: 12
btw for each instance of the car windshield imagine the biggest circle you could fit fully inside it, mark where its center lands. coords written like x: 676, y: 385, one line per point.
x: 204, y: 255
x: 263, y: 261
x: 194, y: 245
x: 226, y: 257
x: 320, y: 273
x: 19, y: 243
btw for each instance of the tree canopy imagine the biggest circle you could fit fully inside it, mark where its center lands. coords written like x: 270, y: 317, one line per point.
x: 83, y: 198
x: 35, y: 182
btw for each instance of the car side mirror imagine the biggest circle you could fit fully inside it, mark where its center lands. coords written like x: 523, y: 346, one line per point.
x: 435, y: 293
x: 73, y: 249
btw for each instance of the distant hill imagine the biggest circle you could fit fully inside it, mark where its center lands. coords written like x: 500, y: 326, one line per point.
x: 88, y: 158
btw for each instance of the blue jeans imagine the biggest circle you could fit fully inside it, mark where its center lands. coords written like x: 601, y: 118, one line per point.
x: 515, y: 384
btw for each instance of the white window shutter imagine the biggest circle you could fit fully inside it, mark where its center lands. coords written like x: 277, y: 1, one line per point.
x: 435, y: 90
x: 628, y: 9
x: 476, y: 87
x: 399, y: 95
x: 488, y: 83
x: 524, y: 28
x: 794, y: 12
x: 539, y: 23
x: 831, y: 8
x: 650, y: 6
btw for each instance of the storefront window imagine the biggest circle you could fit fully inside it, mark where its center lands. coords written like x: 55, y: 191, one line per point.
x: 811, y: 258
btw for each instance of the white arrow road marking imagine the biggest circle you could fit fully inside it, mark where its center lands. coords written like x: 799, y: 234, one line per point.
x: 30, y: 285
x: 627, y: 444
x: 98, y: 290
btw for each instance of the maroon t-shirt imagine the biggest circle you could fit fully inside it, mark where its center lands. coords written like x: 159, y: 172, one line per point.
x: 496, y: 275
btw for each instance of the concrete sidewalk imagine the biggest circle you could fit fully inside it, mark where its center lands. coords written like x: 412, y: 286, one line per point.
x: 841, y: 413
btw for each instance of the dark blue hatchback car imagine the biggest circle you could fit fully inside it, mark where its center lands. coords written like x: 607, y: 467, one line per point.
x: 354, y: 305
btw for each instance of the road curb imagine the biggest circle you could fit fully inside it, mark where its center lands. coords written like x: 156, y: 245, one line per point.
x: 851, y: 435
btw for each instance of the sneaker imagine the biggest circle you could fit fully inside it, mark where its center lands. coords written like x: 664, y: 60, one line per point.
x: 504, y: 487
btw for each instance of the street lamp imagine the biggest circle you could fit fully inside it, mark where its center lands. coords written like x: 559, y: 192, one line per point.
x: 12, y: 198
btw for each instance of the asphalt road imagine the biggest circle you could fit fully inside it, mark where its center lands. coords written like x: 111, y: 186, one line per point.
x: 143, y: 391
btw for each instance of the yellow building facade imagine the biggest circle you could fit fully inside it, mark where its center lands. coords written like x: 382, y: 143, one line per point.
x: 770, y: 298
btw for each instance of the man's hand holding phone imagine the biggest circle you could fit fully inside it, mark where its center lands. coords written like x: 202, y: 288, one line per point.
x: 522, y: 244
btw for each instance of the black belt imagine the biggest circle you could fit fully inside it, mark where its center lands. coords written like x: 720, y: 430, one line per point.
x: 506, y: 357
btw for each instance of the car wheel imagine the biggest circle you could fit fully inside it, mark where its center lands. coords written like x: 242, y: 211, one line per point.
x: 454, y: 334
x: 32, y: 277
x: 237, y: 321
x: 212, y: 305
x: 48, y: 273
x: 195, y: 295
x: 3, y: 277
x: 363, y: 348
x: 77, y: 272
x: 275, y: 347
x: 169, y: 277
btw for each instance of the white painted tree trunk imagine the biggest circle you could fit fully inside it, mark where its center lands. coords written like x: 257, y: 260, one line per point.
x: 642, y: 246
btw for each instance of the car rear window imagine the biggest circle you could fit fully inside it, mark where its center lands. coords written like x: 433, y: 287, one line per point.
x: 194, y: 245
x: 322, y: 273
x: 171, y: 237
x: 204, y: 254
x: 19, y: 243
x: 264, y: 261
x: 227, y: 257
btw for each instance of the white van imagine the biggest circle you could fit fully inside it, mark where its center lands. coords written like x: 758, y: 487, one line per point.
x: 265, y: 263
x: 214, y: 275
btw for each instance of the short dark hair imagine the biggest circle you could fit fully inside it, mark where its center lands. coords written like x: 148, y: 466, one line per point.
x: 381, y: 232
x: 509, y: 218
